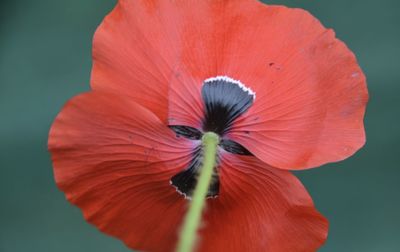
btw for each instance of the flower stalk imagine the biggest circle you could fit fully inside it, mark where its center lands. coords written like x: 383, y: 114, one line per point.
x: 188, y: 235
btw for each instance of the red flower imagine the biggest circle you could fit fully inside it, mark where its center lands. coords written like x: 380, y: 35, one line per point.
x: 281, y: 91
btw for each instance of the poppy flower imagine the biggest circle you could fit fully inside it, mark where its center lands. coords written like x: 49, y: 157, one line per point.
x: 278, y: 88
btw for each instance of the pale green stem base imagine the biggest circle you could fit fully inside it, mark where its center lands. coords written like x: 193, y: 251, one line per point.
x: 192, y: 219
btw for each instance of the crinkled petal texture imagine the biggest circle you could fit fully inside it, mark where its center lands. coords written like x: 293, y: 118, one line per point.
x: 114, y: 158
x: 259, y: 209
x: 311, y: 93
x: 132, y: 54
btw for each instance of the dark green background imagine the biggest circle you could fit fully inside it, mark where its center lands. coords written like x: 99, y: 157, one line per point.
x: 45, y: 58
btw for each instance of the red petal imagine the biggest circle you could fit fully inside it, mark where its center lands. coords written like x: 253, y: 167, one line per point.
x: 261, y: 208
x: 134, y: 55
x: 311, y: 93
x: 114, y: 159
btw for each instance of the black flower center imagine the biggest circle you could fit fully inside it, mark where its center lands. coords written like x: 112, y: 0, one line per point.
x: 224, y: 101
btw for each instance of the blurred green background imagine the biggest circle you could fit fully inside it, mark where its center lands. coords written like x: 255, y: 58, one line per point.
x: 45, y: 58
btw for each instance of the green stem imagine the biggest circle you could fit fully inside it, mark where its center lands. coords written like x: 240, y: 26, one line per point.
x: 192, y: 219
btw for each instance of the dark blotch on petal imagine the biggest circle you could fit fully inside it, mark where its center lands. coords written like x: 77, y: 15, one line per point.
x: 185, y: 182
x: 225, y: 100
x: 186, y: 131
x: 234, y: 147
